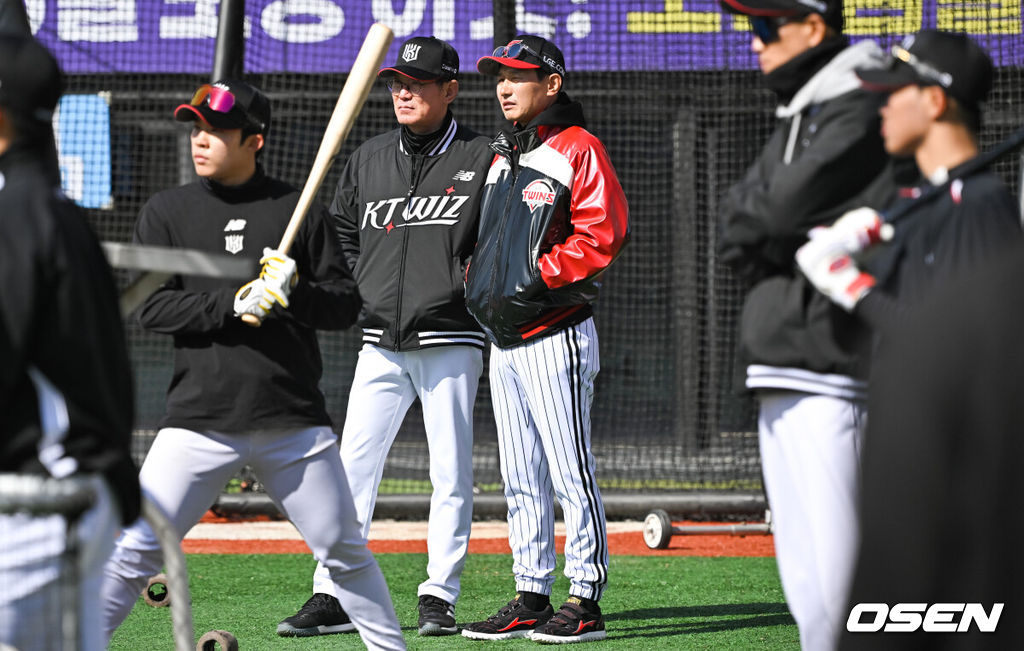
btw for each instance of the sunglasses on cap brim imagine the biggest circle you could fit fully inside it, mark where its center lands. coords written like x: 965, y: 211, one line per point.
x: 217, y: 98
x: 899, y: 54
x: 766, y: 28
x: 516, y: 48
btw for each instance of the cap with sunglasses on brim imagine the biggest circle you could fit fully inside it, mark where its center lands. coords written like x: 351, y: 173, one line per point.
x: 525, y: 52
x: 31, y: 82
x: 830, y: 10
x: 228, y: 104
x: 933, y: 58
x: 424, y: 58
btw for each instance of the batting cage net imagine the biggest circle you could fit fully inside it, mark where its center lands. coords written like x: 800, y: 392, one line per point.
x: 671, y: 87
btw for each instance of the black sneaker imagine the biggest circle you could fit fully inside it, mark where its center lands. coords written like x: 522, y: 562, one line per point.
x: 321, y: 615
x: 572, y: 623
x: 437, y: 616
x: 512, y: 620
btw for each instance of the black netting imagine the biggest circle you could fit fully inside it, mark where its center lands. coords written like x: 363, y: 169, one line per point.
x: 671, y: 88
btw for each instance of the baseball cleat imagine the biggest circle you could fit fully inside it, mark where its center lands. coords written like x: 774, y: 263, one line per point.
x: 513, y: 620
x: 437, y: 616
x: 572, y: 623
x: 321, y: 615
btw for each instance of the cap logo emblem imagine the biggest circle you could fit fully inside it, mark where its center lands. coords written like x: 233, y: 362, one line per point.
x: 410, y: 52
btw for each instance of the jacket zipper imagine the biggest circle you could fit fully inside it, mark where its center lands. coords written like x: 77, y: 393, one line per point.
x: 513, y: 176
x: 417, y: 167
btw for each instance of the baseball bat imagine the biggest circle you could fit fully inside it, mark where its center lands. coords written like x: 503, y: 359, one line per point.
x: 350, y: 102
x: 976, y: 164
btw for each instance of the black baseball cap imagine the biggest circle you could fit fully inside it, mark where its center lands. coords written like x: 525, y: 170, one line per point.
x: 830, y: 10
x: 31, y: 82
x: 933, y: 58
x: 524, y: 52
x: 425, y: 58
x: 228, y: 104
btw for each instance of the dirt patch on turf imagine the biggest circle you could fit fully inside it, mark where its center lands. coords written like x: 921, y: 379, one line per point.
x: 624, y: 538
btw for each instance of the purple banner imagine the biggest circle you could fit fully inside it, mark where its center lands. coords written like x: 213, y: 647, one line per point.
x: 177, y: 36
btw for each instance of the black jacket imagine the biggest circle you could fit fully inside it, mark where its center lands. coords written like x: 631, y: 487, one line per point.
x: 973, y: 221
x: 824, y: 158
x: 552, y: 219
x: 407, y: 225
x: 62, y: 345
x: 228, y: 376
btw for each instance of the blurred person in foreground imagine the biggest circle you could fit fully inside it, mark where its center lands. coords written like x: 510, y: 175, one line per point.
x: 65, y: 377
x: 929, y: 437
x: 804, y: 358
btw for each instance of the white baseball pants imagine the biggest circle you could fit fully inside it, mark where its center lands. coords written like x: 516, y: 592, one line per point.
x: 31, y: 580
x: 542, y: 393
x: 810, y: 457
x: 386, y: 383
x: 185, y: 471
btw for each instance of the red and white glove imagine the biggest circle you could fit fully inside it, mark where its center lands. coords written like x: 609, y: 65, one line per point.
x: 856, y: 231
x: 278, y: 276
x: 828, y: 265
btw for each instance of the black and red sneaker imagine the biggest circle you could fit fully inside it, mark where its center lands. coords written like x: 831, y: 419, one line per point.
x: 572, y: 623
x: 511, y: 621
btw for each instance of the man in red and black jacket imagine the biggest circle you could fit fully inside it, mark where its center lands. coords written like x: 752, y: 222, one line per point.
x: 553, y: 217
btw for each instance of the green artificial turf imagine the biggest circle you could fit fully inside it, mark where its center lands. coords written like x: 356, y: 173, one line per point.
x: 651, y: 602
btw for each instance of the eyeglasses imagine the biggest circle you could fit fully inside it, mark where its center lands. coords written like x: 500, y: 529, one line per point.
x: 216, y: 98
x: 766, y: 28
x: 515, y: 48
x: 926, y: 70
x: 396, y: 86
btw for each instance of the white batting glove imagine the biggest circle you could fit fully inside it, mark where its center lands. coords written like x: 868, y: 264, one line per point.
x: 856, y: 231
x: 829, y: 267
x: 278, y: 275
x: 250, y: 299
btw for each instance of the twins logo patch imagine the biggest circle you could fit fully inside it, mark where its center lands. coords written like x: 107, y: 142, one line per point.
x: 410, y: 52
x: 233, y: 243
x: 537, y: 194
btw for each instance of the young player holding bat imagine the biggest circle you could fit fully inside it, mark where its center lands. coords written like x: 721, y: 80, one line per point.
x: 243, y: 395
x: 919, y: 456
x: 804, y: 357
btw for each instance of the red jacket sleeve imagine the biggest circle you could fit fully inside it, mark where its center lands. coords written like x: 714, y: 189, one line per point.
x: 598, y: 213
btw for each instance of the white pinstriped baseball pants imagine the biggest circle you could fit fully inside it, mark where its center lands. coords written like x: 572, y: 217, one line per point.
x: 542, y: 392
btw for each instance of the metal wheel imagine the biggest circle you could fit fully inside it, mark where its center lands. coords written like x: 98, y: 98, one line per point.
x: 657, y: 529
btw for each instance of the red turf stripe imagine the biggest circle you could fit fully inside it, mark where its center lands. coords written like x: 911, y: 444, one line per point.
x: 618, y: 543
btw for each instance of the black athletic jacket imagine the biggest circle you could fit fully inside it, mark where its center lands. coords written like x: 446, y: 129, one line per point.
x: 969, y: 224
x: 407, y: 225
x: 228, y: 376
x: 824, y: 158
x: 552, y: 219
x: 62, y: 345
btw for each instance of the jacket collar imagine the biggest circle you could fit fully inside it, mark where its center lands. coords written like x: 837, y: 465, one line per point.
x: 564, y: 112
x: 432, y: 144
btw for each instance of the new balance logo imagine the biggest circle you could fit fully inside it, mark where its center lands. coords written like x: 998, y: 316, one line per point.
x: 464, y: 175
x: 410, y: 52
x: 235, y: 225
